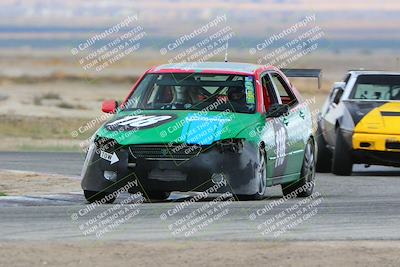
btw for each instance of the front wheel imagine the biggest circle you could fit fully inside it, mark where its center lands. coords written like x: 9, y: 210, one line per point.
x: 342, y: 163
x: 305, y: 185
x: 103, y: 197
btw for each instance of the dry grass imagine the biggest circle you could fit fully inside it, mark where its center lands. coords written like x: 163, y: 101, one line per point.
x: 37, y: 101
x: 30, y: 183
x: 67, y: 77
x: 200, y: 253
x: 51, y: 95
x: 65, y: 105
x: 41, y: 127
x: 3, y: 97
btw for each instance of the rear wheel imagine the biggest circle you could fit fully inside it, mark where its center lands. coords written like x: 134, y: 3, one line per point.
x: 103, y: 197
x: 307, y: 175
x: 342, y: 163
x: 324, y: 157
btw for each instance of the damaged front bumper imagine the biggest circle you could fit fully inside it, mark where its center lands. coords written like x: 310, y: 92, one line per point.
x: 168, y: 168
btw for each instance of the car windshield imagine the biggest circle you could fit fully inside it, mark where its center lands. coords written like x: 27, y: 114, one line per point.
x: 377, y: 87
x: 195, y: 91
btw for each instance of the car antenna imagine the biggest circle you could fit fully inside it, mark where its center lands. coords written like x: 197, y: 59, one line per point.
x: 226, y: 52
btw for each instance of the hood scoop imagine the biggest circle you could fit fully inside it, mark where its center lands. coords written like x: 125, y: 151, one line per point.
x: 390, y: 113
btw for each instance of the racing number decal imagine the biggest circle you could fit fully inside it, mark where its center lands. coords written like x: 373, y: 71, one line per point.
x: 281, y: 148
x: 138, y: 122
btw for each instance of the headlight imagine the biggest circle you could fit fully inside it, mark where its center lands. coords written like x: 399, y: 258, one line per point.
x: 105, y: 144
x: 234, y: 145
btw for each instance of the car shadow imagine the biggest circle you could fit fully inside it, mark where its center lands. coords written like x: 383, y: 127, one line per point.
x: 182, y: 197
x: 360, y: 170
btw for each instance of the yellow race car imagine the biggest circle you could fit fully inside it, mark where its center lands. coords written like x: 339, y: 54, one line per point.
x: 360, y: 123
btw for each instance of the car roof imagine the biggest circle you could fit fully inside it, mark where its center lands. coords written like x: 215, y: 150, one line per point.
x: 373, y: 72
x: 210, y: 67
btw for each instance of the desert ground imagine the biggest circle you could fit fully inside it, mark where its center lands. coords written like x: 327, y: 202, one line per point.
x: 17, y: 183
x: 201, y: 253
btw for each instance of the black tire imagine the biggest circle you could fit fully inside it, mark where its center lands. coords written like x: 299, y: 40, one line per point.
x: 156, y: 195
x: 92, y: 196
x: 342, y: 163
x: 307, y: 175
x: 324, y: 156
x: 261, y: 176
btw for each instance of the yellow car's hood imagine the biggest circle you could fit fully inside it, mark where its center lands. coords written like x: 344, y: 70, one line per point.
x: 384, y: 119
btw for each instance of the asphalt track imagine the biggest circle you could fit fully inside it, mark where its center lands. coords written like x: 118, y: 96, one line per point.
x: 365, y: 206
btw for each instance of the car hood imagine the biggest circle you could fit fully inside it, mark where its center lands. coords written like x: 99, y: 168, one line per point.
x: 380, y: 118
x: 358, y: 109
x: 169, y: 126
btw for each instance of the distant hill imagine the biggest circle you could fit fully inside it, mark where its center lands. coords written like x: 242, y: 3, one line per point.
x: 347, y: 24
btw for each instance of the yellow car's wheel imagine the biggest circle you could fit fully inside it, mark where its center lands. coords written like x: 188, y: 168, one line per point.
x: 342, y: 162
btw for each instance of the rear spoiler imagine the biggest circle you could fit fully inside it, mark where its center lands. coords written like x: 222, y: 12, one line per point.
x: 304, y: 73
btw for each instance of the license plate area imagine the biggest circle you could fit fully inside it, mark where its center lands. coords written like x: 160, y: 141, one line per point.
x: 167, y: 175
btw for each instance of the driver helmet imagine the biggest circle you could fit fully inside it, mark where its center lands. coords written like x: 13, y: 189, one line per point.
x: 236, y: 94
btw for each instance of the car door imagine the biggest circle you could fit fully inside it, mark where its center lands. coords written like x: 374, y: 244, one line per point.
x: 272, y: 133
x: 295, y: 126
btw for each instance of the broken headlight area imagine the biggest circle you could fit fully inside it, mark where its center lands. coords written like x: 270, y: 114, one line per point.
x: 234, y: 145
x: 109, y: 149
x: 106, y: 144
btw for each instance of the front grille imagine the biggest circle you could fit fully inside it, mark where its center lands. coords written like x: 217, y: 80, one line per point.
x: 165, y: 151
x: 392, y: 145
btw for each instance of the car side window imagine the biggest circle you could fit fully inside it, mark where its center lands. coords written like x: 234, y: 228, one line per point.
x: 285, y: 93
x: 268, y: 91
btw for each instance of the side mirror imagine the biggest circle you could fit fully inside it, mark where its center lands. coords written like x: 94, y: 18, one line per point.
x: 277, y: 110
x: 109, y: 106
x: 334, y: 92
x: 337, y: 95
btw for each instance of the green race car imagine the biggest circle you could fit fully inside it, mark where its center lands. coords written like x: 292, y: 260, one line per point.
x: 233, y: 127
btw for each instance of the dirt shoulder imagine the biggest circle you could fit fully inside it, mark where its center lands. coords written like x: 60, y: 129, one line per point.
x: 201, y: 253
x: 30, y: 183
